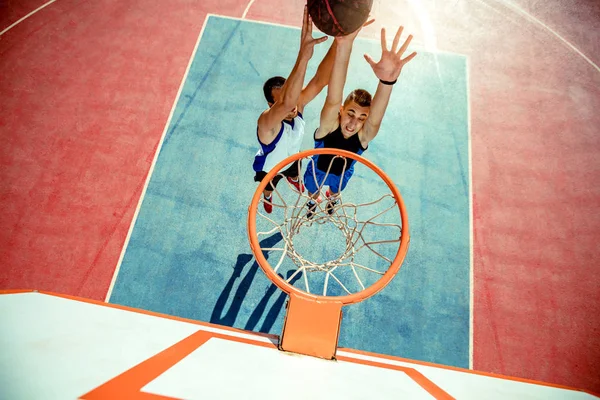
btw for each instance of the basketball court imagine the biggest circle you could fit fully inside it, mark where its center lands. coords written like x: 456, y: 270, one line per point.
x: 130, y: 133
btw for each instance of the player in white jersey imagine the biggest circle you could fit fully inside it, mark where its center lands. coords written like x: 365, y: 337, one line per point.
x: 281, y: 126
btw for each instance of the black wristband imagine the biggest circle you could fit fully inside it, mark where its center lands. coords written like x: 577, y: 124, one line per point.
x: 388, y: 82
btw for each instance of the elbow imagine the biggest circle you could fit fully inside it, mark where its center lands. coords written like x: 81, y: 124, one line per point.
x: 321, y: 82
x: 331, y: 103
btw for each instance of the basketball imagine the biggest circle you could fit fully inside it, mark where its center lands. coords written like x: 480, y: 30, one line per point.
x: 339, y: 17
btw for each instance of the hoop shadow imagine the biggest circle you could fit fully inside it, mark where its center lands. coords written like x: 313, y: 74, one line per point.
x: 228, y: 319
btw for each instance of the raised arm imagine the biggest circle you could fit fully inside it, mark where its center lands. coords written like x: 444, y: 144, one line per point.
x: 337, y: 80
x: 320, y: 80
x: 387, y: 70
x: 270, y: 121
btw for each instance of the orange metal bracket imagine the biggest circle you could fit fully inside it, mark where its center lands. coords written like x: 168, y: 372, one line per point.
x: 311, y: 327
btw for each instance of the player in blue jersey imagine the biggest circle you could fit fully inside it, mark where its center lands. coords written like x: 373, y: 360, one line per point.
x: 281, y: 127
x: 351, y: 125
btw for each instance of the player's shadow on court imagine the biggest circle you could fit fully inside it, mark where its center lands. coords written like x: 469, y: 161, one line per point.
x: 228, y: 318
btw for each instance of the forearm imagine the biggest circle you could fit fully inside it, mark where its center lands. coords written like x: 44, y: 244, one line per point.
x: 379, y: 104
x: 323, y: 73
x: 337, y: 80
x: 293, y: 85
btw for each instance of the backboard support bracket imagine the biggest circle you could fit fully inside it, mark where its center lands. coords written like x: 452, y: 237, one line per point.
x: 311, y: 327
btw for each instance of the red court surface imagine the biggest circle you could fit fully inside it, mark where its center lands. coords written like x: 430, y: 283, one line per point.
x: 87, y: 88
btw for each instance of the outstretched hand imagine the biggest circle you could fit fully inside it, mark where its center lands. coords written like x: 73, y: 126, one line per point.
x: 307, y: 42
x: 390, y: 65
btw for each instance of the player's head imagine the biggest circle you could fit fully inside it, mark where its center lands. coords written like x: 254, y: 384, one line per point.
x: 273, y: 91
x: 354, y: 111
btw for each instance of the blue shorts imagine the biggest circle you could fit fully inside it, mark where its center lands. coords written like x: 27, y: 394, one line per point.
x: 333, y: 181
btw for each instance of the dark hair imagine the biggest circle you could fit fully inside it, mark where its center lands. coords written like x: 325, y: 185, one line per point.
x: 270, y: 84
x: 360, y: 97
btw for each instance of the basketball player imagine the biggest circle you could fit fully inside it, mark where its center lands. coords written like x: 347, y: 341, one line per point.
x: 351, y: 125
x: 281, y: 126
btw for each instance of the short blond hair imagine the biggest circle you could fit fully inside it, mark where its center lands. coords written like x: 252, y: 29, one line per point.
x: 360, y: 97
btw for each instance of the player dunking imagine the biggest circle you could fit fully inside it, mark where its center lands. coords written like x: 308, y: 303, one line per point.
x: 351, y: 125
x: 281, y: 127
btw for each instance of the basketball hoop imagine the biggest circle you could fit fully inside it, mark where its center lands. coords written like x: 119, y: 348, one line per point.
x: 314, y: 314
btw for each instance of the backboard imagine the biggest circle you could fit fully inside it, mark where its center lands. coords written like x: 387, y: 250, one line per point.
x: 54, y: 346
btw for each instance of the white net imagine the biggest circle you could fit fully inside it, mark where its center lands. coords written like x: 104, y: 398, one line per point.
x: 330, y: 244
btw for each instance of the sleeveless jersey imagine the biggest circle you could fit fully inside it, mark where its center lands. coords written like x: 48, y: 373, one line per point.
x: 336, y: 140
x: 287, y: 143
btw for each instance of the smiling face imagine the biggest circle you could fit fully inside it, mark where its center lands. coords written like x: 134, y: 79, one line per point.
x: 352, y: 118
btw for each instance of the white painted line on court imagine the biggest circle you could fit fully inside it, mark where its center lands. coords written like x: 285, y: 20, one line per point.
x: 471, y: 233
x: 27, y: 16
x: 158, y: 148
x: 247, y: 8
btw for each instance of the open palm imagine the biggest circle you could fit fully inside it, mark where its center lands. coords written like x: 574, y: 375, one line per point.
x: 390, y: 65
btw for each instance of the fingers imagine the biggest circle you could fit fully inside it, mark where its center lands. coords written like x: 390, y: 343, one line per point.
x: 320, y: 40
x: 371, y: 62
x: 397, y: 39
x: 410, y: 57
x: 405, y: 45
x: 305, y: 16
x: 305, y: 20
x: 369, y: 22
x: 309, y: 24
x: 383, y: 44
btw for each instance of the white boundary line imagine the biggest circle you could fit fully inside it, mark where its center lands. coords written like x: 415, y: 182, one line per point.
x: 158, y: 148
x: 27, y: 16
x: 471, y: 233
x: 247, y: 9
x: 509, y: 4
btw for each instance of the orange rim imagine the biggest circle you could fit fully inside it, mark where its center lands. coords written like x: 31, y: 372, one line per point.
x: 288, y: 288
